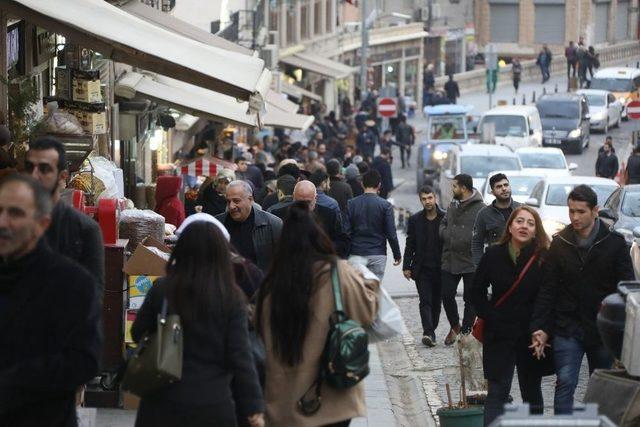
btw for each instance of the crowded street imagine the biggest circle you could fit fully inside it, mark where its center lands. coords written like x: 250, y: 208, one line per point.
x: 319, y: 213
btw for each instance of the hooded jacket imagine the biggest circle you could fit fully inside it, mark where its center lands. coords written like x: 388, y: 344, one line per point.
x: 574, y: 287
x: 167, y: 202
x: 456, y: 230
x: 488, y: 228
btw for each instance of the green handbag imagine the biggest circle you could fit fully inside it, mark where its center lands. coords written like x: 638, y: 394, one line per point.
x: 157, y: 361
x: 345, y: 359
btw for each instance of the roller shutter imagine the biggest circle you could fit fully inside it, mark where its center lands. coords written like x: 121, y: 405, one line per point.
x: 622, y: 20
x: 602, y: 22
x: 549, y: 23
x: 504, y: 22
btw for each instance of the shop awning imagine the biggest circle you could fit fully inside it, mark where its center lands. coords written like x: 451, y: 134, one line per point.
x: 323, y: 66
x: 205, y: 166
x: 282, y: 113
x: 124, y: 37
x: 186, y: 98
x: 298, y: 92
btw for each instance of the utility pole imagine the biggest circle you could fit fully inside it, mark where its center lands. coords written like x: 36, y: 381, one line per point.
x: 363, y: 50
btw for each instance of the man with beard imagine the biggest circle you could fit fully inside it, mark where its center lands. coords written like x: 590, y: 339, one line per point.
x: 456, y: 230
x: 422, y: 256
x: 51, y: 336
x: 492, y: 219
x: 254, y: 233
x: 71, y: 232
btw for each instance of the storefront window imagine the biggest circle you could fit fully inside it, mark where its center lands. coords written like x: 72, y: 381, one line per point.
x: 291, y: 25
x: 377, y: 76
x: 391, y: 73
x: 411, y: 78
x: 274, y: 15
x: 304, y: 19
x: 330, y: 16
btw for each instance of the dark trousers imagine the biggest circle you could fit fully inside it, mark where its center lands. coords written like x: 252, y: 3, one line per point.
x: 429, y: 285
x: 449, y: 288
x: 498, y: 393
x: 568, y: 353
x: 516, y: 82
x: 571, y: 69
x: 405, y: 149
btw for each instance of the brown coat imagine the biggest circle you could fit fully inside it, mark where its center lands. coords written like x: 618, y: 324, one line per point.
x: 285, y: 385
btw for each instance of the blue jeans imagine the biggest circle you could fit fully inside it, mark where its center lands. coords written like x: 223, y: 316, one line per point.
x: 375, y: 263
x: 568, y: 353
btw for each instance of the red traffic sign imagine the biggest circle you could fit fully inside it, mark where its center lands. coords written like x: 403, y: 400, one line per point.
x: 387, y: 107
x: 633, y: 110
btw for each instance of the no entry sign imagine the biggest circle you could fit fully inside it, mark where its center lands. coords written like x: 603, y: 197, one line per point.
x: 387, y: 107
x: 633, y: 110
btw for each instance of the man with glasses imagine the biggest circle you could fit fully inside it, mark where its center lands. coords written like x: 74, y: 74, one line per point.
x: 71, y: 232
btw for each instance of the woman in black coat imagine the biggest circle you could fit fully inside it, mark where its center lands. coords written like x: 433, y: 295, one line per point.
x: 506, y: 333
x: 218, y: 373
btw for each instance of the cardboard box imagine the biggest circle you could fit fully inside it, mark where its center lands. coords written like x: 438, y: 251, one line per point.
x: 93, y: 123
x: 144, y: 262
x: 139, y: 286
x: 86, y: 90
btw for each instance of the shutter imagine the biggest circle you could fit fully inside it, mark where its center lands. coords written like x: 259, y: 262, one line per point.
x: 622, y: 20
x: 602, y: 22
x: 550, y: 23
x: 504, y: 22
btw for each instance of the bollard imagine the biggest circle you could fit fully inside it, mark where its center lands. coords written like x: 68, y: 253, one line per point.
x: 514, y: 101
x: 544, y: 90
x: 524, y: 99
x: 638, y: 64
x: 533, y: 97
x: 556, y: 88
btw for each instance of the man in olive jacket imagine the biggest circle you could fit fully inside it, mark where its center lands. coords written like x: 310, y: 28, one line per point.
x: 585, y: 263
x: 456, y: 230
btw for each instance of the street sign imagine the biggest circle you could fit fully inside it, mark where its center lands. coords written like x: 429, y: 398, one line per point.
x: 387, y: 107
x: 633, y: 110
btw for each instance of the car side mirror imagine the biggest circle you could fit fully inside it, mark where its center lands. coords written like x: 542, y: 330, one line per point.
x: 607, y: 213
x: 636, y: 232
x: 573, y: 166
x: 532, y: 201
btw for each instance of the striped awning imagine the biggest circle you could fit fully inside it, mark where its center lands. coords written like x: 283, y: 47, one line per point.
x: 206, y: 166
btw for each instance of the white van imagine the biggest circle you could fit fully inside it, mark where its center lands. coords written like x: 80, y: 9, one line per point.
x: 515, y: 126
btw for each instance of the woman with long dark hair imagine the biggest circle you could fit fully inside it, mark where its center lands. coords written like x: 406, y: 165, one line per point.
x: 294, y: 306
x: 200, y: 288
x: 520, y: 252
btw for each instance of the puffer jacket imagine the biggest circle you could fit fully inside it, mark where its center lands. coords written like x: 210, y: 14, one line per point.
x: 572, y: 291
x: 456, y: 230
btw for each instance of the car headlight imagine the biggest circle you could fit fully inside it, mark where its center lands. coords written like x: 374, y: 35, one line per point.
x: 439, y: 155
x: 551, y: 226
x: 576, y: 133
x: 622, y: 100
x: 628, y: 234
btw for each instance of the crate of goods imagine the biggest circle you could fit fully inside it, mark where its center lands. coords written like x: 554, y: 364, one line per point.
x: 63, y: 83
x: 92, y: 122
x: 86, y: 86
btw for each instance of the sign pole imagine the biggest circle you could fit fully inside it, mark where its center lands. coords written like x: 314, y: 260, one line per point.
x: 491, y: 63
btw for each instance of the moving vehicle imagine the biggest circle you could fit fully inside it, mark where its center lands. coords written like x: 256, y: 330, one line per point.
x: 545, y: 161
x: 622, y: 210
x: 565, y: 121
x: 623, y: 82
x: 605, y: 110
x: 520, y: 181
x: 477, y: 160
x: 515, y: 126
x: 430, y: 160
x: 549, y: 196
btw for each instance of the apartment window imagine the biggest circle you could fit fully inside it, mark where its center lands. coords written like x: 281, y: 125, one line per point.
x: 317, y: 17
x: 305, y: 9
x: 291, y: 25
x: 330, y: 16
x: 274, y: 15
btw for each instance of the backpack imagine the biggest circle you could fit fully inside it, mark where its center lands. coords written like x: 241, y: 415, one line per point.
x: 345, y: 358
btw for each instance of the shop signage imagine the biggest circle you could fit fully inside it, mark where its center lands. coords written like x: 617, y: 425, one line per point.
x: 388, y: 107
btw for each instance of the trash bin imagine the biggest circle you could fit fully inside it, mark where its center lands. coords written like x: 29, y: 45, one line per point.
x: 472, y: 416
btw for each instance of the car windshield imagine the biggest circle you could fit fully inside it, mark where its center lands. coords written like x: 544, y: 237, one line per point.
x: 596, y: 100
x: 522, y: 185
x: 542, y: 160
x: 481, y: 166
x: 558, y: 193
x: 631, y: 204
x: 613, y: 85
x: 505, y: 125
x: 558, y: 110
x: 447, y: 128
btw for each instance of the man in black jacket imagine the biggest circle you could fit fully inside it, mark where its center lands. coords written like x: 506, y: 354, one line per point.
x: 339, y: 190
x: 254, y: 232
x: 585, y: 263
x: 383, y: 166
x: 422, y: 255
x: 71, y: 232
x: 492, y: 219
x: 49, y: 315
x: 607, y: 163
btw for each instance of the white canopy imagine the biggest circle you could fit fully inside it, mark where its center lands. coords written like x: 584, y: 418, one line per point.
x: 124, y: 37
x: 323, y: 66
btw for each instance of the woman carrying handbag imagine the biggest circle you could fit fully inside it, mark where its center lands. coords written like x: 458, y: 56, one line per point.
x: 514, y: 269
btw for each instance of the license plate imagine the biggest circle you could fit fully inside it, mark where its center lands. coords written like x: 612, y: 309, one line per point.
x: 553, y: 141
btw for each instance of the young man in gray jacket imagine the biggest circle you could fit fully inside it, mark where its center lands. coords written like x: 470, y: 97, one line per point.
x: 456, y: 230
x: 492, y: 219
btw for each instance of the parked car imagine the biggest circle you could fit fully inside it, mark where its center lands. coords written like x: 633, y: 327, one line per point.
x: 546, y: 161
x: 549, y: 196
x: 477, y: 160
x: 604, y: 109
x: 520, y: 181
x: 624, y: 82
x: 515, y: 126
x: 622, y: 210
x: 565, y: 121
